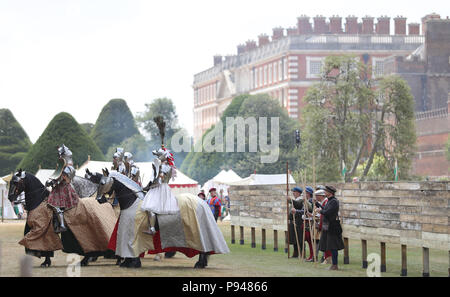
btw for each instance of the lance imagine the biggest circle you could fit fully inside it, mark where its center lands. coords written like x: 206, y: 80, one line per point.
x: 287, y: 207
x: 293, y: 216
x: 305, y: 209
x: 313, y: 211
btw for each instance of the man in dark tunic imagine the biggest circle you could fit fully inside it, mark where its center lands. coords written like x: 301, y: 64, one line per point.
x: 297, y: 206
x: 331, y: 237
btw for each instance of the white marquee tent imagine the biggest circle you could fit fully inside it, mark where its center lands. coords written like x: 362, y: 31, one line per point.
x: 222, y: 181
x: 264, y: 179
x: 7, y: 210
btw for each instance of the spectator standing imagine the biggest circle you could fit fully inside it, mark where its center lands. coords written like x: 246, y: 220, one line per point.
x: 322, y: 199
x: 331, y: 237
x: 215, y: 204
x: 202, y: 196
x: 227, y: 203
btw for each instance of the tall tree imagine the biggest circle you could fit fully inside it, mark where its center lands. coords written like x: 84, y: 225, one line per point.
x: 166, y: 108
x: 395, y: 133
x: 349, y: 118
x: 114, y: 124
x: 246, y: 155
x: 14, y: 142
x: 62, y: 129
x: 337, y: 117
x: 159, y: 107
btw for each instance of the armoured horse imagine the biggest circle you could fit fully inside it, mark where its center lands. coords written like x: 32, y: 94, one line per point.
x: 40, y: 238
x: 192, y: 232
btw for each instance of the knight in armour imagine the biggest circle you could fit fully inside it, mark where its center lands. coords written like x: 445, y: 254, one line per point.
x: 132, y: 169
x: 118, y: 163
x: 159, y: 198
x: 63, y: 196
x: 135, y: 174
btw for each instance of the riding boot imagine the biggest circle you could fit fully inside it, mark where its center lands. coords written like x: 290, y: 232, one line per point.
x: 151, y: 219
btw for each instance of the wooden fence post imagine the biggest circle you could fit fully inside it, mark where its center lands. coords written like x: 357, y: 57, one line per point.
x: 383, y: 257
x: 364, y: 253
x: 233, y: 239
x: 346, y: 247
x: 263, y: 239
x: 426, y: 261
x: 253, y: 237
x: 404, y: 271
x: 275, y: 241
x: 241, y: 231
x: 286, y: 242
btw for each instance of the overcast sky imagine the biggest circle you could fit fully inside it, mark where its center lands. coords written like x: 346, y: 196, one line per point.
x: 74, y: 56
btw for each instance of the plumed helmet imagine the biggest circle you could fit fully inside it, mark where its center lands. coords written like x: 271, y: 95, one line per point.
x: 64, y: 151
x: 164, y: 154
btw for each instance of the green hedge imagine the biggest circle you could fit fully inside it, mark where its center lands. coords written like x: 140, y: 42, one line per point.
x: 14, y: 142
x: 62, y: 129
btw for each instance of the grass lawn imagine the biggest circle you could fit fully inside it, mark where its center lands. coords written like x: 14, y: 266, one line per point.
x: 242, y: 261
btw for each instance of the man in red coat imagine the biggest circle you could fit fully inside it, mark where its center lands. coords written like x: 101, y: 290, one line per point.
x: 323, y: 199
x: 215, y: 204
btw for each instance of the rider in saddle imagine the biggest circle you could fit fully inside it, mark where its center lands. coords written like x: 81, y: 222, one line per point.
x: 159, y: 198
x: 119, y: 166
x: 63, y: 196
x: 133, y: 171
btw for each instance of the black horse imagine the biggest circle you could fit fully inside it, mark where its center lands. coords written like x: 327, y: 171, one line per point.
x: 127, y: 197
x: 35, y: 194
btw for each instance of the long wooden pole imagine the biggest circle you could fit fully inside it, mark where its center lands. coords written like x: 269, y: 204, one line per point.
x: 305, y: 209
x: 313, y: 213
x: 3, y: 204
x: 287, y: 207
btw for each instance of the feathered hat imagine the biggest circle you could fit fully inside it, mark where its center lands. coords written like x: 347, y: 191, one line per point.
x: 161, y: 124
x: 159, y: 121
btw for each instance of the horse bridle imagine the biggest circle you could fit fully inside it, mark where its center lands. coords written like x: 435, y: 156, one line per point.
x: 20, y: 187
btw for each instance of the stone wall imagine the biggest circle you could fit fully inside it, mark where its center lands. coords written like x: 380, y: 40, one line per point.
x: 413, y: 213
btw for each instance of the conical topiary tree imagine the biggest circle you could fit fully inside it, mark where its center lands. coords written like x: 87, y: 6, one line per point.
x: 62, y: 129
x: 14, y: 142
x: 114, y: 124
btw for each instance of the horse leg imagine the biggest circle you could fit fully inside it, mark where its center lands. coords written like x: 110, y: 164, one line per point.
x: 206, y: 259
x: 93, y: 259
x: 202, y: 261
x: 47, y: 262
x: 126, y: 262
x: 85, y: 261
x: 135, y: 263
